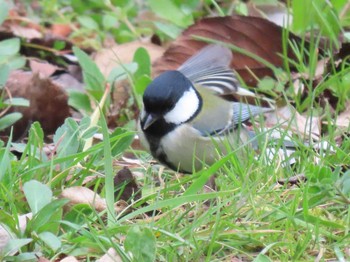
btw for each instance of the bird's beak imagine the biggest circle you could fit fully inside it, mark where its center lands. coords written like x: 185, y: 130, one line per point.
x: 148, y: 120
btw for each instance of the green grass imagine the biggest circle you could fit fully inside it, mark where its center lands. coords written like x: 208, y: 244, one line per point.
x: 250, y: 217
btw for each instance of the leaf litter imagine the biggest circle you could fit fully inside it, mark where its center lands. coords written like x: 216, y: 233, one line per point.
x: 41, y: 84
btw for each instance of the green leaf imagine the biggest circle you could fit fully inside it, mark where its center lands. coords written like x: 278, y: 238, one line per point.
x: 242, y: 9
x: 85, y: 123
x: 37, y: 194
x: 141, y: 84
x: 44, y: 216
x: 310, y: 14
x: 262, y: 258
x: 141, y: 242
x: 16, y: 62
x: 88, y: 133
x: 66, y: 139
x: 109, y: 21
x: 121, y: 72
x: 34, y: 152
x: 174, y: 202
x: 36, y: 133
x: 108, y: 169
x: 4, y: 74
x: 170, y: 30
x: 88, y: 22
x: 340, y: 255
x: 79, y: 100
x: 344, y: 183
x: 34, y: 146
x: 4, y: 10
x: 205, y: 174
x: 93, y: 77
x: 25, y: 256
x: 123, y: 140
x: 77, y: 215
x: 141, y: 57
x: 339, y: 4
x: 267, y: 84
x: 9, y: 120
x: 5, y: 157
x: 14, y: 245
x: 168, y: 10
x: 50, y: 240
x: 8, y: 220
x: 9, y: 47
x: 59, y: 45
x: 17, y: 101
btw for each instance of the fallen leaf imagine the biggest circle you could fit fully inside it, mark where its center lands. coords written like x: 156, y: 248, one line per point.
x: 107, y: 59
x: 25, y: 32
x: 83, y: 195
x: 253, y: 34
x: 69, y: 259
x: 126, y: 187
x: 48, y: 102
x: 276, y: 13
x: 293, y: 180
x: 61, y: 30
x: 43, y: 68
x: 121, y: 207
x: 110, y: 256
x: 289, y: 119
x: 5, y: 236
x: 18, y: 24
x: 343, y: 119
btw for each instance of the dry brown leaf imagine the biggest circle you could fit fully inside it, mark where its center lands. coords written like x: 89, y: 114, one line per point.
x: 67, y: 81
x: 83, y: 195
x: 69, y: 259
x: 107, y: 59
x: 25, y: 32
x: 255, y: 35
x: 43, y: 68
x: 289, y: 119
x: 112, y: 57
x: 61, y: 30
x: 18, y: 24
x: 126, y: 187
x: 343, y: 120
x: 293, y: 180
x: 122, y: 207
x: 110, y: 256
x: 48, y: 102
x: 5, y: 236
x: 277, y: 14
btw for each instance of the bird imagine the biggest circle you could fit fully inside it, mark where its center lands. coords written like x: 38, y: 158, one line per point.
x: 187, y: 120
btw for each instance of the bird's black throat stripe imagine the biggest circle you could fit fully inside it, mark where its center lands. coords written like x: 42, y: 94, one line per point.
x: 154, y: 135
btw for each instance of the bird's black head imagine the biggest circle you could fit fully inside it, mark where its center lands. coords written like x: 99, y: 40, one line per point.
x: 164, y: 92
x: 169, y: 100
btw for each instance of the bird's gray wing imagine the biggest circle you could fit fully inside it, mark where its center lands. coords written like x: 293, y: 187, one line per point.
x: 210, y: 69
x: 243, y: 112
x: 225, y: 117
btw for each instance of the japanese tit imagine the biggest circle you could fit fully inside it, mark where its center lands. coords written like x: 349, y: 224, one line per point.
x: 185, y: 120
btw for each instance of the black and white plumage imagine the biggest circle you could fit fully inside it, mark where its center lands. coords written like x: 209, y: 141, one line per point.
x: 185, y: 119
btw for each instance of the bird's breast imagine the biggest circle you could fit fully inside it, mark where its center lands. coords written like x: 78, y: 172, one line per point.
x: 188, y: 151
x: 183, y: 148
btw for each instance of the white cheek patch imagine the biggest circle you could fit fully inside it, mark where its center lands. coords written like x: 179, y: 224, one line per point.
x: 185, y: 108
